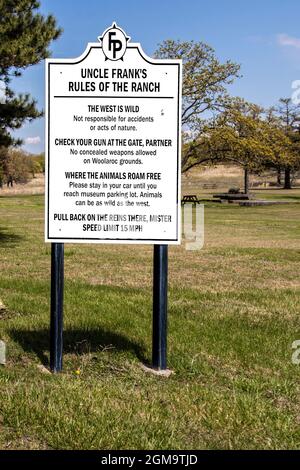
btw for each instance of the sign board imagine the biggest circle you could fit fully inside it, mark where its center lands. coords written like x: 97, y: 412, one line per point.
x: 113, y: 145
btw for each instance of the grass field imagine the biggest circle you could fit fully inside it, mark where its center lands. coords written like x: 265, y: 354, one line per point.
x: 233, y: 316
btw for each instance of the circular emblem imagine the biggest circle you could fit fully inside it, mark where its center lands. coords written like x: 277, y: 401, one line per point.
x: 114, y: 42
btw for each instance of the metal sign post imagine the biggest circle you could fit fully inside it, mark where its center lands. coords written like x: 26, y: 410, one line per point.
x: 57, y: 294
x: 160, y: 305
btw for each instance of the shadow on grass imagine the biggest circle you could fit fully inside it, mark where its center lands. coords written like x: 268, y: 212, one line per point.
x: 8, y: 238
x: 76, y: 341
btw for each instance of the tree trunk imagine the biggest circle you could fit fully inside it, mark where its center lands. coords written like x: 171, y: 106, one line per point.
x: 279, y: 177
x: 287, y: 179
x: 246, y: 180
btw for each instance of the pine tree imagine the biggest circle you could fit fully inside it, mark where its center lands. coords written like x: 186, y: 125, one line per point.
x: 25, y: 36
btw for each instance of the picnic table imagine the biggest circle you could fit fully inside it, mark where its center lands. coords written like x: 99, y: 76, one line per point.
x: 190, y: 198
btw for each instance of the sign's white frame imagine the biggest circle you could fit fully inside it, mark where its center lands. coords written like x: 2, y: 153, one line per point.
x: 53, y: 62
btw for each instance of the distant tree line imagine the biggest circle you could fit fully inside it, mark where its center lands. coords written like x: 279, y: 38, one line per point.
x: 17, y: 166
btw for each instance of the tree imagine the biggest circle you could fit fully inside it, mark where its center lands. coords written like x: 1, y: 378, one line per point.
x: 204, y: 83
x: 204, y: 89
x: 37, y: 164
x: 15, y: 165
x: 288, y: 115
x: 241, y: 135
x: 24, y: 39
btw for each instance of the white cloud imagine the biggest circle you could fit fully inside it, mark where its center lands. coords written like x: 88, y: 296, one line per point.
x: 32, y: 140
x: 286, y: 40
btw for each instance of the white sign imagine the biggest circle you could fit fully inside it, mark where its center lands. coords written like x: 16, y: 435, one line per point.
x: 113, y: 145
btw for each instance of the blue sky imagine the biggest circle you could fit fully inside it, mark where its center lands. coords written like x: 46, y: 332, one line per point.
x: 262, y: 35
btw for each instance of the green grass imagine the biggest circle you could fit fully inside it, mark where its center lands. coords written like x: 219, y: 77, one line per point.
x: 233, y: 315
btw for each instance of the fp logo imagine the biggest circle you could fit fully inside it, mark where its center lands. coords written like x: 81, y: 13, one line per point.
x: 114, y: 42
